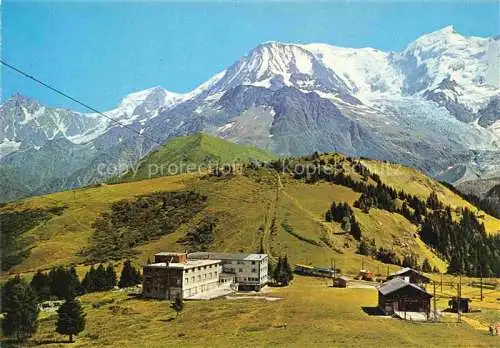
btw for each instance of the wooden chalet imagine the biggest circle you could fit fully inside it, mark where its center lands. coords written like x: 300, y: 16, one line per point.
x: 399, y: 295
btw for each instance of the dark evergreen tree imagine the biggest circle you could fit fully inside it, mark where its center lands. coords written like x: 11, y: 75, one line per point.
x: 71, y: 318
x: 64, y: 282
x: 88, y: 281
x: 8, y: 291
x: 426, y: 266
x: 41, y: 284
x: 74, y: 285
x: 110, y: 277
x: 364, y: 247
x: 405, y: 211
x: 433, y: 201
x: 355, y: 229
x: 282, y: 272
x: 287, y: 268
x: 277, y: 270
x: 387, y: 256
x: 20, y: 307
x: 59, y: 282
x: 101, y: 281
x: 464, y: 244
x: 129, y: 276
x: 177, y: 304
x: 410, y: 261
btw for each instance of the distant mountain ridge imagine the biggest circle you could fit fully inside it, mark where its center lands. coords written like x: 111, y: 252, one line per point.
x: 433, y: 106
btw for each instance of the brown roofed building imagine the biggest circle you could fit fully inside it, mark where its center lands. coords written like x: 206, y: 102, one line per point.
x: 400, y: 295
x: 411, y: 275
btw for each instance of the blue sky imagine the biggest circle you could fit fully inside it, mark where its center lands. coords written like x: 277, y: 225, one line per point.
x: 101, y: 51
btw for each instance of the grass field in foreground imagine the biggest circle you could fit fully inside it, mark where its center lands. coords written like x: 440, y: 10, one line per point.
x: 314, y: 314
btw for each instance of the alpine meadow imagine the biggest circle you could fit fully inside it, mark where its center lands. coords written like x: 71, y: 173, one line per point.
x: 300, y: 188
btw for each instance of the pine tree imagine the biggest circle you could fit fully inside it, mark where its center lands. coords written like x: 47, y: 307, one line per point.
x: 410, y: 261
x: 177, y: 305
x: 20, y: 308
x: 346, y: 224
x: 433, y: 201
x: 88, y: 281
x: 129, y: 276
x: 40, y: 283
x: 426, y: 266
x: 355, y: 229
x: 59, y: 282
x: 287, y: 269
x: 71, y: 318
x: 363, y: 248
x: 278, y: 270
x: 74, y: 284
x: 110, y: 276
x: 101, y: 278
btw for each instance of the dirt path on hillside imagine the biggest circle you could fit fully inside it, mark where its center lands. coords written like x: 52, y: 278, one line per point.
x: 309, y: 215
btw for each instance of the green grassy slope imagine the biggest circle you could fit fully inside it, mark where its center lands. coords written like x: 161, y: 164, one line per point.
x: 309, y: 314
x: 186, y: 154
x: 259, y: 209
x: 416, y: 183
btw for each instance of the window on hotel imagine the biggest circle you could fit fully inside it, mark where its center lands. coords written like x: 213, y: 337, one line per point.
x: 254, y: 270
x: 253, y: 262
x: 241, y: 270
x: 186, y: 280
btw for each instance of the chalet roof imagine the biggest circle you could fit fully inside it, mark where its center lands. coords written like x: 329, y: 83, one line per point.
x: 396, y: 284
x: 405, y: 270
x: 227, y: 256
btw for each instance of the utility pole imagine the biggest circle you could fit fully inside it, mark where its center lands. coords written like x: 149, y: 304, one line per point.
x: 435, y: 310
x: 441, y: 282
x: 332, y: 266
x: 481, y: 280
x: 459, y: 301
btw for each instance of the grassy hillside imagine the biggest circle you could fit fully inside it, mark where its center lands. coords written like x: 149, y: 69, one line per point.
x: 416, y: 183
x: 259, y: 209
x: 187, y: 154
x: 309, y: 313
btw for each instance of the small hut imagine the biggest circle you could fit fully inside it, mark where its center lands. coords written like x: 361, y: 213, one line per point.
x: 461, y: 304
x: 340, y: 282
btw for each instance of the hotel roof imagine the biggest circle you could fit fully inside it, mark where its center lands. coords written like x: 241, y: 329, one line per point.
x: 187, y: 265
x: 227, y: 256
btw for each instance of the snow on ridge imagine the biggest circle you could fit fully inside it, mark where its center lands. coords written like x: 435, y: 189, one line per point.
x: 7, y: 146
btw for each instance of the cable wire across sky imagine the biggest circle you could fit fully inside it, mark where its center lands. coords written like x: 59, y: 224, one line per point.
x: 85, y: 105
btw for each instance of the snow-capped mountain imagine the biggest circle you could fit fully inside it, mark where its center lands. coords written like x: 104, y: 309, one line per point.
x: 434, y: 106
